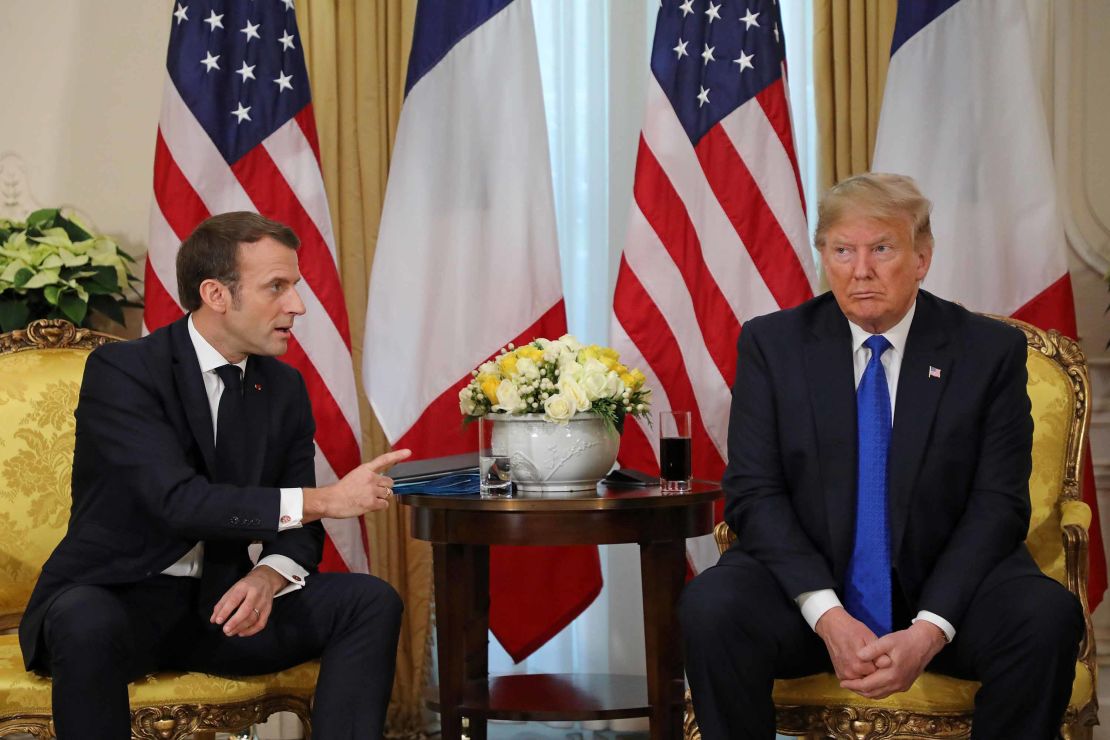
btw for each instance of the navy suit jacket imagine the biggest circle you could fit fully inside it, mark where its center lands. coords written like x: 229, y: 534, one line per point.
x: 958, y: 467
x: 144, y: 448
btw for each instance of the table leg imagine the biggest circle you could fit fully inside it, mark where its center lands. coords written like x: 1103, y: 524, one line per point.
x: 662, y: 573
x: 462, y: 631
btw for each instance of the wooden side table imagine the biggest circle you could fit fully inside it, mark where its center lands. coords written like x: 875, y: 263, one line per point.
x: 461, y: 529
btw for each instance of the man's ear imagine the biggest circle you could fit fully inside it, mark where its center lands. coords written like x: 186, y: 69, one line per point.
x: 215, y: 295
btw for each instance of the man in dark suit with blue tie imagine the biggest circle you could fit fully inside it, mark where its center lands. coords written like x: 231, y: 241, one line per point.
x: 877, y: 482
x: 192, y: 443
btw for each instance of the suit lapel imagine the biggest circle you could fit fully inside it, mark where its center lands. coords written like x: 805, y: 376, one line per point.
x: 926, y: 370
x: 255, y: 405
x: 829, y: 374
x: 190, y: 388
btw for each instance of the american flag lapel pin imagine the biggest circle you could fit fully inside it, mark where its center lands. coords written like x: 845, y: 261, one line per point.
x: 934, y: 372
x: 258, y: 386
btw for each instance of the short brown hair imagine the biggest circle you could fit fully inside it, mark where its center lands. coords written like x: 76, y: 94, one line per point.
x: 212, y: 251
x: 879, y: 195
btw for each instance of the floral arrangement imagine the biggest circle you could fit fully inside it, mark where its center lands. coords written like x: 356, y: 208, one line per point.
x: 558, y: 379
x: 53, y: 267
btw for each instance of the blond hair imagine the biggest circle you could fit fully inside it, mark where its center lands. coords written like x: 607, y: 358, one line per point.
x: 878, y: 195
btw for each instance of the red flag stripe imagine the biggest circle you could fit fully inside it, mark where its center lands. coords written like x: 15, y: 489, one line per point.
x: 307, y: 121
x: 439, y: 431
x: 667, y: 215
x: 159, y: 307
x: 180, y: 205
x: 757, y: 227
x: 270, y: 193
x: 776, y: 107
x: 648, y: 329
x: 334, y: 435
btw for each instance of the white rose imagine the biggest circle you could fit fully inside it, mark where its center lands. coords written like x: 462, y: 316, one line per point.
x: 570, y: 388
x: 613, y: 385
x: 558, y: 408
x: 569, y: 367
x: 595, y: 382
x: 570, y: 342
x: 527, y: 367
x: 508, y: 398
x: 489, y: 368
x: 466, y: 402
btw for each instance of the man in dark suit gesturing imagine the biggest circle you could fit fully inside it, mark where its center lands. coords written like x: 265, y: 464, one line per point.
x: 192, y: 443
x: 879, y: 456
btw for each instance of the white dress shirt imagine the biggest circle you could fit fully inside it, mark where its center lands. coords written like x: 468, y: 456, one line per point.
x: 814, y: 604
x: 291, y: 508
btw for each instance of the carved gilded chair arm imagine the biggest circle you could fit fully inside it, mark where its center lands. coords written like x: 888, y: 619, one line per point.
x: 1075, y: 519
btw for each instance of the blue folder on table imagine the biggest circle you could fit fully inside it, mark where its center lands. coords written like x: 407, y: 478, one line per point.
x: 453, y: 475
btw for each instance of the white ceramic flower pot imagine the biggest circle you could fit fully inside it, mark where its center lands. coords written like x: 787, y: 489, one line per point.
x: 549, y: 458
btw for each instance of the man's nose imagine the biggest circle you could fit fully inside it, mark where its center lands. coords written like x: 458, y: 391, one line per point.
x: 861, y: 265
x: 295, y: 305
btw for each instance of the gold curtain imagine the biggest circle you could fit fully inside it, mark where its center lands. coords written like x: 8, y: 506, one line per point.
x: 357, y: 54
x: 851, y: 49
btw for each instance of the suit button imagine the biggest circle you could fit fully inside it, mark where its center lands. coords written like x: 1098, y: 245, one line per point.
x: 234, y: 520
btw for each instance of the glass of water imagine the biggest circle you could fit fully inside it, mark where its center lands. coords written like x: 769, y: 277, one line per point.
x: 493, y: 460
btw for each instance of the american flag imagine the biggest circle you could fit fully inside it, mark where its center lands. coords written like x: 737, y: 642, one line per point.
x: 717, y: 232
x: 237, y: 133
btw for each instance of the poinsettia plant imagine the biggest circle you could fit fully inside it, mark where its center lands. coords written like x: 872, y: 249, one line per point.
x: 53, y: 267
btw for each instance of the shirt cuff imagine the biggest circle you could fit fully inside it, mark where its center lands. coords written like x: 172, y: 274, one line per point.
x: 945, y: 626
x: 291, y: 509
x: 814, y: 604
x: 288, y: 569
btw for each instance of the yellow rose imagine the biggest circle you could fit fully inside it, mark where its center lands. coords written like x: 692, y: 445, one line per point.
x: 638, y: 379
x: 608, y: 362
x: 535, y: 354
x: 609, y: 352
x: 619, y: 369
x: 489, y: 388
x: 508, y: 364
x: 629, y: 380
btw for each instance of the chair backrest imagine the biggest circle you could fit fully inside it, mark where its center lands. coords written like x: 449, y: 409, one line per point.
x: 1059, y: 390
x: 40, y: 378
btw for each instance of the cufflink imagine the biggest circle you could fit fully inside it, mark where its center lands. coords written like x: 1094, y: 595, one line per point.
x: 285, y: 519
x: 296, y: 579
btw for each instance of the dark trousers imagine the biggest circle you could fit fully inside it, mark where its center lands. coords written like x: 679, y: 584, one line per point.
x: 98, y: 638
x: 1019, y: 638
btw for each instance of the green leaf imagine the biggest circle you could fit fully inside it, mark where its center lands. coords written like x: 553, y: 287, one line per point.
x: 42, y: 279
x: 73, y: 307
x: 105, y: 276
x: 13, y: 315
x: 73, y: 230
x: 22, y: 276
x: 50, y: 293
x: 107, y: 306
x: 42, y: 218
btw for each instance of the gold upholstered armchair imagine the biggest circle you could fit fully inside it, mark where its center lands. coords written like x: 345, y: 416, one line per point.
x: 938, y: 706
x: 40, y: 376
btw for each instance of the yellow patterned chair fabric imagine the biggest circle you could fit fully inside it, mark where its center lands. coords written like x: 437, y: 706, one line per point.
x: 40, y: 376
x: 938, y: 706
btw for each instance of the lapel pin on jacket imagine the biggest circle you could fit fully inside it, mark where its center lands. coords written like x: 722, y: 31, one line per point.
x: 934, y: 372
x: 258, y: 386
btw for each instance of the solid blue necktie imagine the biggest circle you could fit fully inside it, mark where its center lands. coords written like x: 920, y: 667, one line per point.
x: 867, y: 591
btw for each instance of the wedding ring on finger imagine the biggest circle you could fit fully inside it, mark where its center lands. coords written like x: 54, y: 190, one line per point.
x: 257, y: 613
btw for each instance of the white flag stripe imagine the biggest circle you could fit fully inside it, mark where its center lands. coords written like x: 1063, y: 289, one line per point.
x: 294, y: 158
x: 198, y: 158
x: 757, y: 143
x: 346, y: 538
x: 162, y: 252
x: 987, y: 167
x: 702, y: 552
x: 320, y: 341
x: 723, y: 251
x: 662, y: 280
x: 466, y: 256
x: 631, y: 357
